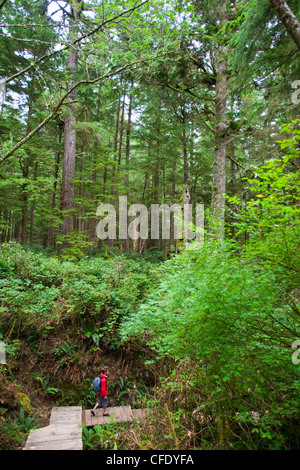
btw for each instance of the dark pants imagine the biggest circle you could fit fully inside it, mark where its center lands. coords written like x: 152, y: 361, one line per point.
x: 103, y: 401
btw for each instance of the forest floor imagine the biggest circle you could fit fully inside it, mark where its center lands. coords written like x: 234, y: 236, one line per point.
x: 38, y: 381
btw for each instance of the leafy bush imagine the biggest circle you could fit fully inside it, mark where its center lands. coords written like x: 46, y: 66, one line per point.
x: 230, y: 318
x: 232, y: 313
x: 38, y: 292
x: 271, y: 217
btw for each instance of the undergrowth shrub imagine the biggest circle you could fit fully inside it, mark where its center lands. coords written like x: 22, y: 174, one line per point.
x: 230, y: 318
x: 232, y: 310
x: 38, y: 293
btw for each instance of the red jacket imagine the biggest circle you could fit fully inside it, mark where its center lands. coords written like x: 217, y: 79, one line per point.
x: 103, y: 388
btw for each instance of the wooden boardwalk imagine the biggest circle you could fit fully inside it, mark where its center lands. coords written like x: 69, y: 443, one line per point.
x: 65, y: 428
x: 116, y: 414
x: 63, y: 433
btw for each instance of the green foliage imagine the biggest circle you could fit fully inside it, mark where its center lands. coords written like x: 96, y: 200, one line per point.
x: 227, y: 316
x: 39, y: 292
x: 69, y: 354
x: 44, y: 382
x: 271, y: 217
x: 206, y: 302
x: 231, y: 319
x: 234, y: 311
x: 100, y: 437
x: 76, y: 245
x: 15, y: 429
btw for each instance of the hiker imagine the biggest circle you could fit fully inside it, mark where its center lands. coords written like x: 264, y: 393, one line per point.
x: 102, y: 400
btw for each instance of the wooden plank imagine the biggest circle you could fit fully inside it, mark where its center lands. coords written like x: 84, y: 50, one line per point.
x: 55, y: 432
x: 63, y: 433
x: 57, y: 429
x: 54, y: 442
x: 71, y: 415
x: 71, y: 411
x: 116, y: 414
x: 121, y: 415
x: 72, y: 442
x: 126, y: 413
x: 89, y: 420
x: 57, y: 445
x: 64, y: 430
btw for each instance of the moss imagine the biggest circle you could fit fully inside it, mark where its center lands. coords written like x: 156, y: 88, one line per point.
x: 24, y: 401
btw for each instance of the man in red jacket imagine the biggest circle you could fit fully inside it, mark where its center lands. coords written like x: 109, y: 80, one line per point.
x: 102, y: 400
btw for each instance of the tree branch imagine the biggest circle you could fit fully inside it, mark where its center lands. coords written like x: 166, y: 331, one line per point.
x: 2, y: 4
x: 234, y: 161
x: 292, y: 268
x: 288, y: 19
x: 62, y: 102
x: 64, y: 10
x: 72, y: 44
x: 187, y: 90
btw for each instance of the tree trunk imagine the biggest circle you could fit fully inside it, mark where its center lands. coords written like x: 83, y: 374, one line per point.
x: 92, y: 220
x: 184, y: 141
x: 185, y: 155
x: 33, y: 207
x: 221, y: 138
x: 288, y: 19
x: 117, y: 126
x: 172, y: 220
x: 117, y: 148
x: 93, y: 195
x: 24, y: 198
x: 51, y: 234
x: 232, y: 167
x: 25, y: 168
x: 67, y: 187
x: 121, y: 130
x: 128, y: 135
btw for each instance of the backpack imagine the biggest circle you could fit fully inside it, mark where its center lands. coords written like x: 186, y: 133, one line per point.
x: 97, y: 384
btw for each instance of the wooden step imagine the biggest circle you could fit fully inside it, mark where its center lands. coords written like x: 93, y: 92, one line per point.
x: 63, y: 433
x: 66, y: 414
x: 65, y: 429
x: 116, y: 414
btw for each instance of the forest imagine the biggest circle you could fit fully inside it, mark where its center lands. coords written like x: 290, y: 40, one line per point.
x: 150, y: 219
